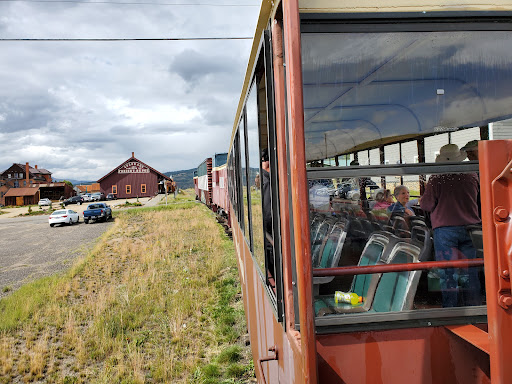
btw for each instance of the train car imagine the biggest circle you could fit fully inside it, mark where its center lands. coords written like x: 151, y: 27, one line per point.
x: 204, y: 182
x: 344, y: 96
x: 220, y: 199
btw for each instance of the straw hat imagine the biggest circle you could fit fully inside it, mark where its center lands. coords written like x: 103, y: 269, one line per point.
x: 450, y: 153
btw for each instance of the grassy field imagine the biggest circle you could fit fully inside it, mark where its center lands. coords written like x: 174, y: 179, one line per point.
x: 156, y: 301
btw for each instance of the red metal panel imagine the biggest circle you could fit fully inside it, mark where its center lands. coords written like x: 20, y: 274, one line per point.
x: 295, y: 113
x: 496, y: 189
x: 220, y: 197
x: 264, y: 329
x: 421, y: 355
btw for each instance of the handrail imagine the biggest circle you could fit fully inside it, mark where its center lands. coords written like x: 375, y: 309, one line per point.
x: 259, y: 366
x: 425, y: 265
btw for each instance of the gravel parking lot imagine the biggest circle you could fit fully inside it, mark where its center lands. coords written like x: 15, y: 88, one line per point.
x: 30, y: 248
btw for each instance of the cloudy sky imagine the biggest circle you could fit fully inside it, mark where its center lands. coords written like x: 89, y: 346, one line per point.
x: 79, y: 108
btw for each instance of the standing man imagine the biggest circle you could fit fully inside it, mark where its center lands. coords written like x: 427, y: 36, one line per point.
x: 452, y: 201
x: 267, y: 209
x: 471, y: 149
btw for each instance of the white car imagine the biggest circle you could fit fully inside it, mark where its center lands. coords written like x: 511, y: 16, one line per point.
x: 45, y: 201
x: 63, y: 216
x: 87, y: 197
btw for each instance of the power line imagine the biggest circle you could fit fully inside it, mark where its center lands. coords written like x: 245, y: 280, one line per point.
x: 131, y: 3
x: 138, y: 39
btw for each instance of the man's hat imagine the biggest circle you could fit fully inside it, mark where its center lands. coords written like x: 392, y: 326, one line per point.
x: 471, y: 146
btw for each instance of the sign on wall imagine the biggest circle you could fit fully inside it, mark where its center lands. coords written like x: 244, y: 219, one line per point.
x: 133, y: 167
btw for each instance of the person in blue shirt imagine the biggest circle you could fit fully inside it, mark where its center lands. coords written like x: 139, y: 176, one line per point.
x: 401, y: 194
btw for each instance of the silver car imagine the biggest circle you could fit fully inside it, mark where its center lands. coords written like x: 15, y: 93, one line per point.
x: 44, y: 201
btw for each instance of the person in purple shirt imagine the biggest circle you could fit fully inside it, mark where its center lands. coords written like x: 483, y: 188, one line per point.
x: 452, y: 202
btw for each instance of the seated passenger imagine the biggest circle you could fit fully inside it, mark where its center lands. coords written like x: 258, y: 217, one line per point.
x: 402, y: 198
x: 384, y: 200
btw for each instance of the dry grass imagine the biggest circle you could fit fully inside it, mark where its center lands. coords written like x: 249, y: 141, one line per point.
x: 156, y: 301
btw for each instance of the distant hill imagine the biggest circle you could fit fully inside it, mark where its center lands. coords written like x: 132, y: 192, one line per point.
x: 184, y: 179
x: 76, y: 182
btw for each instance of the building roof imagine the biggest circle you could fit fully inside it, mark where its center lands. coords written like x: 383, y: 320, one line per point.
x: 52, y: 185
x: 133, y: 158
x: 28, y: 191
x: 35, y: 171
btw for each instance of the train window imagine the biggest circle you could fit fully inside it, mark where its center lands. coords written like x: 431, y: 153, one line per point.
x: 389, y: 109
x: 256, y: 179
x: 244, y: 201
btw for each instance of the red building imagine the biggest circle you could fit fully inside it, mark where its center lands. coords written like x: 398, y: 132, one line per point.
x: 133, y: 178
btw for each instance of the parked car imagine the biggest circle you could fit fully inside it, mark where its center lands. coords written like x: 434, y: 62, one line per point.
x: 111, y: 196
x: 98, y: 196
x: 97, y: 211
x: 73, y: 200
x: 45, y: 201
x: 87, y: 197
x: 63, y: 216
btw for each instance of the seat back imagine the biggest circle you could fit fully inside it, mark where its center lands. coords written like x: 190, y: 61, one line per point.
x: 331, y: 251
x: 319, y: 240
x: 396, y: 290
x: 375, y: 252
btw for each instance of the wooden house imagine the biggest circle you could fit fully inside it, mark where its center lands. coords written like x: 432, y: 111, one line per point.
x: 133, y: 178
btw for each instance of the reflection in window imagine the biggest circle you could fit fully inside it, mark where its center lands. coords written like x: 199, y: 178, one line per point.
x: 363, y: 226
x: 255, y: 177
x: 370, y: 89
x: 243, y: 173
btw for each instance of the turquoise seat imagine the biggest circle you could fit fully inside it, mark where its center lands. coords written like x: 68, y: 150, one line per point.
x: 392, y: 291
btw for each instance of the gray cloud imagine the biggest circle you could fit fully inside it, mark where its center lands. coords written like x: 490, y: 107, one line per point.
x: 80, y: 108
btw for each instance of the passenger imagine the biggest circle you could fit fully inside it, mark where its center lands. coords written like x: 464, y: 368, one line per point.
x: 471, y: 149
x: 402, y: 198
x: 267, y: 209
x: 384, y: 200
x: 452, y: 201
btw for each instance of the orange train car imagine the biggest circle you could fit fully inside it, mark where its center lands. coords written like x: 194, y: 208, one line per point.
x: 345, y: 103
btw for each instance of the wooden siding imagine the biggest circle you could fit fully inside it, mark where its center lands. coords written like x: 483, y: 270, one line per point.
x: 135, y: 180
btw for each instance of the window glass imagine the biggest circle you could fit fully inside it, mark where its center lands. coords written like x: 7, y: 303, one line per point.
x: 243, y: 176
x: 362, y: 88
x: 391, y: 101
x: 256, y: 179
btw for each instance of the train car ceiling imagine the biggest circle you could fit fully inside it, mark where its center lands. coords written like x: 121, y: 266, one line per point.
x: 385, y: 87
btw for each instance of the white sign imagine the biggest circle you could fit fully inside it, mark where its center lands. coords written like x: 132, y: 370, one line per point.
x: 133, y: 167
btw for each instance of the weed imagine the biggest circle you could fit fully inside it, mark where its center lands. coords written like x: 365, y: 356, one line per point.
x: 156, y: 300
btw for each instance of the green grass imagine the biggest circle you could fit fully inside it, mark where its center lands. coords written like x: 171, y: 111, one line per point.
x: 156, y: 301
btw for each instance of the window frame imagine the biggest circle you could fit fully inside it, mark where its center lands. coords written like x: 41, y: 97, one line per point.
x: 143, y: 188
x: 401, y: 22
x: 114, y: 189
x: 128, y: 189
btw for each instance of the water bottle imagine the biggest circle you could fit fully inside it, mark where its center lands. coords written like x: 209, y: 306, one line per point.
x: 347, y: 297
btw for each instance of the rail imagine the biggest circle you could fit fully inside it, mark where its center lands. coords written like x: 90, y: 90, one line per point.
x: 259, y: 366
x: 425, y: 265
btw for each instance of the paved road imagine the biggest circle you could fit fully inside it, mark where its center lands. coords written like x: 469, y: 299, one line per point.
x: 30, y: 248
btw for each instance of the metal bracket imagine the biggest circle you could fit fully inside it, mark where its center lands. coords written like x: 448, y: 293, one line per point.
x: 502, y: 203
x: 267, y: 358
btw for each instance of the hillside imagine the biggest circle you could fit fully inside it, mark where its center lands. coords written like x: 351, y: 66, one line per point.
x: 184, y: 179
